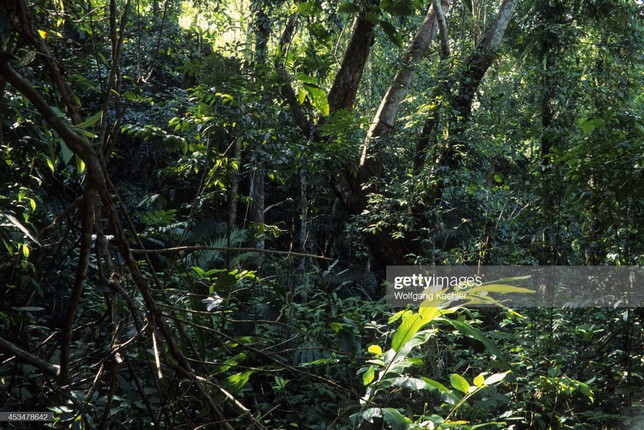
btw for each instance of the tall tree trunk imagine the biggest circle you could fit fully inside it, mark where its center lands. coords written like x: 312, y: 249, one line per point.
x: 233, y: 194
x: 342, y: 96
x: 482, y: 59
x: 256, y: 193
x: 551, y: 15
x: 385, y: 117
x: 346, y: 82
x: 469, y: 80
x: 257, y: 204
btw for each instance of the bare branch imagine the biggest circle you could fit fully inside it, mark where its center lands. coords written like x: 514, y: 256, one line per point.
x: 87, y: 223
x: 442, y: 24
x: 76, y: 142
x: 27, y: 357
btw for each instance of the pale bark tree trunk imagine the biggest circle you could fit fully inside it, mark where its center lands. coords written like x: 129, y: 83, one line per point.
x: 385, y: 116
x: 442, y: 24
x: 478, y: 64
x: 469, y: 80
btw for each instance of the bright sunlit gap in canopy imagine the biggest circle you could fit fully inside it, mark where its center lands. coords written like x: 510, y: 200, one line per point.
x: 224, y: 25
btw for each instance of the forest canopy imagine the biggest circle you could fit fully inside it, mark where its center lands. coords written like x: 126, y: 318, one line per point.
x: 199, y: 200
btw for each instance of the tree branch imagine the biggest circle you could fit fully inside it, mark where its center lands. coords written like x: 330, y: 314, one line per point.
x: 442, y: 24
x: 383, y: 121
x: 56, y: 69
x: 27, y: 357
x: 87, y: 223
x: 481, y: 60
x: 346, y: 82
x: 76, y: 142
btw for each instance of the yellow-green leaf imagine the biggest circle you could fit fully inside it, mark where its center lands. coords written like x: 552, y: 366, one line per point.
x: 499, y: 288
x: 410, y: 325
x: 367, y: 376
x: 375, y: 349
x: 479, y: 381
x: 91, y: 120
x: 428, y: 312
x: 80, y: 164
x: 459, y: 383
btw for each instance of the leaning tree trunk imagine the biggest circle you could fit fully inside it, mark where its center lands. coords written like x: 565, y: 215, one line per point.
x: 383, y: 122
x: 468, y: 82
x: 385, y: 248
x: 346, y: 82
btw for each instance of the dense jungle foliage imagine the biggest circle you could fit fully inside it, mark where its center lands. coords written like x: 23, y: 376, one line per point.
x: 199, y: 198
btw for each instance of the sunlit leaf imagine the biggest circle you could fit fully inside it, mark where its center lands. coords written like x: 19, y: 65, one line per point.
x: 458, y: 382
x: 21, y: 227
x: 497, y: 377
x: 410, y: 325
x: 479, y: 380
x: 499, y: 288
x: 375, y: 349
x: 368, y: 376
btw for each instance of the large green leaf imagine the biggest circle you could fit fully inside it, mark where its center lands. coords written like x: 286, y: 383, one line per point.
x: 394, y: 418
x: 410, y: 325
x: 318, y: 99
x: 459, y: 383
x: 391, y: 33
